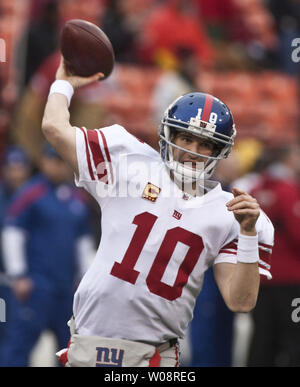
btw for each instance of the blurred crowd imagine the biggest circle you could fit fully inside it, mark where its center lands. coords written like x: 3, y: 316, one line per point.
x: 240, y: 51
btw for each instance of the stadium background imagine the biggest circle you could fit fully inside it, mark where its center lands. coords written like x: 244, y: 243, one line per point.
x: 243, y: 54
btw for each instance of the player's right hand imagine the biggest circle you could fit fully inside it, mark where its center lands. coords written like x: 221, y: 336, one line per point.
x: 75, y: 80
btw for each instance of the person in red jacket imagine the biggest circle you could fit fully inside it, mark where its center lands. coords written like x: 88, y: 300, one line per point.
x: 175, y: 24
x: 276, y: 337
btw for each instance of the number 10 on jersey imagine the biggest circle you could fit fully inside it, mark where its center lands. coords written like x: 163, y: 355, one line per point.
x: 126, y: 272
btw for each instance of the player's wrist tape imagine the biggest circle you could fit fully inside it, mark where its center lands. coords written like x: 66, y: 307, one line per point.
x: 62, y: 87
x: 247, y: 249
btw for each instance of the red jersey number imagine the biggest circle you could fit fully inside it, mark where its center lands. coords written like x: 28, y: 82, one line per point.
x: 125, y: 269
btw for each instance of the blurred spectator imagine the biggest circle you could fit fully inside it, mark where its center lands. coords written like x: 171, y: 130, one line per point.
x: 276, y: 337
x: 37, y: 9
x: 222, y: 19
x: 171, y: 25
x: 241, y: 32
x: 91, y: 10
x: 123, y: 25
x: 119, y: 32
x: 251, y: 171
x: 260, y: 41
x: 211, y: 330
x: 28, y: 113
x: 47, y: 245
x: 182, y: 71
x: 40, y: 40
x: 4, y: 121
x: 15, y: 171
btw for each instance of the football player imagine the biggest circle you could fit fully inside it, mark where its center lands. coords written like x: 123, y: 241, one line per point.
x: 164, y: 222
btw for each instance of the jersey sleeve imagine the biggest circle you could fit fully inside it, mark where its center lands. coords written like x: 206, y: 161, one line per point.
x: 98, y: 155
x: 265, y: 230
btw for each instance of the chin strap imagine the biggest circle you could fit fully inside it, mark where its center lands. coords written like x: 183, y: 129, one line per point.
x: 184, y: 174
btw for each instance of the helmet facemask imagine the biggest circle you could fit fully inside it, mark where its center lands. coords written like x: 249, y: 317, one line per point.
x: 182, y: 172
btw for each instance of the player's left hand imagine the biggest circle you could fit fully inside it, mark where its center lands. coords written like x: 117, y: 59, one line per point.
x: 246, y: 211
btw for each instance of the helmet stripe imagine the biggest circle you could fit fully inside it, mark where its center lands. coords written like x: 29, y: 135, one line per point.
x: 207, y: 107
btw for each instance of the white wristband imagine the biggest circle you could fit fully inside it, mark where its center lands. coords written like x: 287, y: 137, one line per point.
x: 62, y: 87
x: 247, y: 249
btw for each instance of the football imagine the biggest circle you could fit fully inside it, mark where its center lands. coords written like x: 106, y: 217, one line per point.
x: 86, y: 49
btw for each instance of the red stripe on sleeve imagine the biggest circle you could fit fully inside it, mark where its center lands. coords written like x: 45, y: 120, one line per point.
x: 265, y: 245
x: 265, y: 257
x: 88, y: 158
x: 107, y: 154
x: 231, y: 245
x: 98, y: 158
x: 207, y: 108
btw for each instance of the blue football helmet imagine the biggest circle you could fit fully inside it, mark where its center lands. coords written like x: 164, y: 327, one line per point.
x: 202, y: 115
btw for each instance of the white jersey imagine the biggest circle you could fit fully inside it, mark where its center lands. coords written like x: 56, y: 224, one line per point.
x: 156, y: 243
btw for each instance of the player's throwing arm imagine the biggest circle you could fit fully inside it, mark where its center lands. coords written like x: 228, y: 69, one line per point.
x: 87, y: 57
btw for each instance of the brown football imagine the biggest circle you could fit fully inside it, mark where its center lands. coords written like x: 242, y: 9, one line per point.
x: 86, y: 49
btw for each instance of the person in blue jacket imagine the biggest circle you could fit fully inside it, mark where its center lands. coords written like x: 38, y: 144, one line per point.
x: 47, y: 244
x: 211, y: 330
x: 15, y: 170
